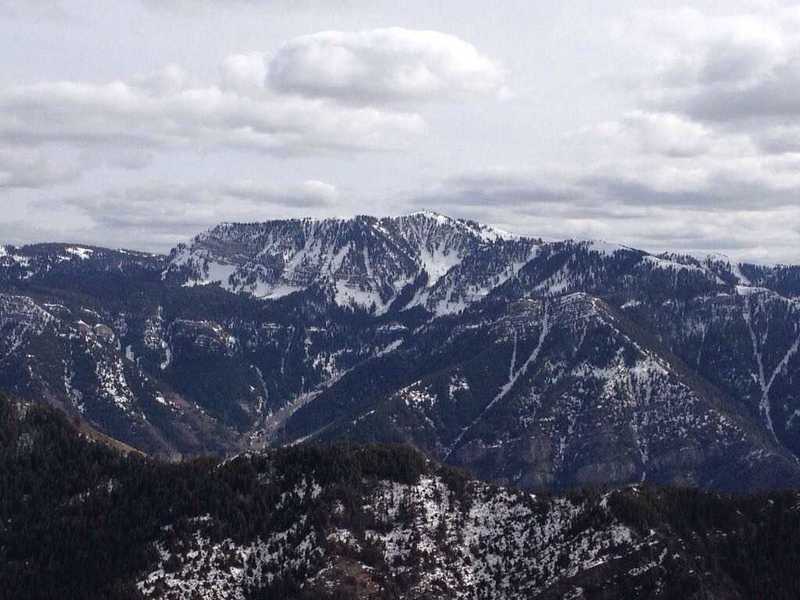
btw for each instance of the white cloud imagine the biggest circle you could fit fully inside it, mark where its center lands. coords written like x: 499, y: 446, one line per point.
x: 309, y: 108
x: 244, y: 72
x: 171, y: 79
x: 309, y: 194
x: 163, y: 114
x: 129, y: 120
x: 384, y: 65
x: 657, y: 133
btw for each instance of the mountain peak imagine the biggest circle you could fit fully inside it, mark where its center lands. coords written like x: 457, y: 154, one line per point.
x: 431, y: 214
x: 366, y: 261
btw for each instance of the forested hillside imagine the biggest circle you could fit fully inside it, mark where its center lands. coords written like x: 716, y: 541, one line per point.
x: 81, y: 520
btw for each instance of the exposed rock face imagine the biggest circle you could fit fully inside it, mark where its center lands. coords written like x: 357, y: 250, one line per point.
x: 366, y: 262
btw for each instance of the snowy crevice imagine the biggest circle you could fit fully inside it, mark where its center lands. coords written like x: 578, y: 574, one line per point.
x: 764, y: 382
x: 513, y: 377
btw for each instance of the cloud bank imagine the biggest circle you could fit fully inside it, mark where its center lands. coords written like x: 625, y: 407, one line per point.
x: 327, y: 93
x: 159, y: 214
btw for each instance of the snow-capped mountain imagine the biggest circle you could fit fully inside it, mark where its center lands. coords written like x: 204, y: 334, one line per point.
x: 538, y: 364
x: 365, y: 262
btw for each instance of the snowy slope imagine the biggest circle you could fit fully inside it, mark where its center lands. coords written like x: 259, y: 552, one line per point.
x: 365, y: 261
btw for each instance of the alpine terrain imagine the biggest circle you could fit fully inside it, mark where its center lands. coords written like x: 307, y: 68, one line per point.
x: 540, y: 365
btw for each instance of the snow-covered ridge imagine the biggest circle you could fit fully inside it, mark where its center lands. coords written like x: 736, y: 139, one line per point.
x: 426, y: 258
x: 40, y: 260
x: 365, y: 261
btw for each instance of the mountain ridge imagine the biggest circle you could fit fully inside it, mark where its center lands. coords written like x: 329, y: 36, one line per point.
x: 159, y: 352
x: 365, y: 260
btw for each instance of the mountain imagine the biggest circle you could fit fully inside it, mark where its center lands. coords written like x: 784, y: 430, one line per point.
x: 80, y: 520
x: 365, y: 262
x: 568, y: 392
x: 545, y: 365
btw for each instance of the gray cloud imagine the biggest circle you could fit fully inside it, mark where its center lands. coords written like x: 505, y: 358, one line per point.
x: 780, y: 139
x: 19, y: 232
x: 742, y: 69
x: 704, y: 183
x: 772, y: 96
x: 32, y: 168
x: 719, y: 192
x: 159, y: 215
x: 733, y: 216
x: 194, y: 7
x: 499, y: 189
x: 35, y: 9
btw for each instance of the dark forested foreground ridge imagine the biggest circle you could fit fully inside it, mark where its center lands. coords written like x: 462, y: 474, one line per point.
x: 80, y: 520
x: 541, y: 365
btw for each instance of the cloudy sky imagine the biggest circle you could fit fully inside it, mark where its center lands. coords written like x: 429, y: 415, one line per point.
x: 641, y: 122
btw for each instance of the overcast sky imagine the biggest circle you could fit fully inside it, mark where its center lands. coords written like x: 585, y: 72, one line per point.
x: 640, y: 122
